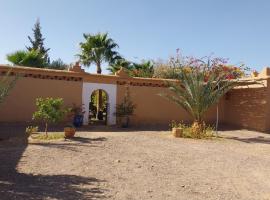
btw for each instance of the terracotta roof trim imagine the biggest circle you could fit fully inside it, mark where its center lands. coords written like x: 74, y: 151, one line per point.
x: 87, y: 76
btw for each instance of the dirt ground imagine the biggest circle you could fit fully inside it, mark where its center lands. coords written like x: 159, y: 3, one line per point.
x: 137, y: 165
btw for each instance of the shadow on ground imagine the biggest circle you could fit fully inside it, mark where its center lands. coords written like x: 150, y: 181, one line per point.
x: 87, y: 140
x: 27, y: 186
x: 259, y: 139
x: 76, y: 142
x: 91, y: 128
x: 8, y: 130
x: 16, y: 185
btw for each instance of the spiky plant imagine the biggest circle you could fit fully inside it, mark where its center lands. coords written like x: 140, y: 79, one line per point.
x: 198, y: 88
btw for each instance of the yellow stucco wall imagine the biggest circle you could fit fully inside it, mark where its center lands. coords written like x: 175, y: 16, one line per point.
x: 20, y: 104
x: 247, y: 107
x: 151, y: 108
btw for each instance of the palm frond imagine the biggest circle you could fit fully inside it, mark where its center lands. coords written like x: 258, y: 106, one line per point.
x: 196, y: 94
x: 98, y: 48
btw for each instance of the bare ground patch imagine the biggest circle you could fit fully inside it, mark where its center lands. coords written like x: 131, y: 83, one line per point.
x: 137, y: 165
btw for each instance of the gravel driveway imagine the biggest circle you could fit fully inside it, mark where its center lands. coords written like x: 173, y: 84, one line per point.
x: 137, y: 165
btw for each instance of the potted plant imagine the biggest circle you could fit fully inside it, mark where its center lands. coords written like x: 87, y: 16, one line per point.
x: 78, y: 112
x: 124, y: 110
x: 177, y: 129
x: 177, y: 132
x: 70, y: 131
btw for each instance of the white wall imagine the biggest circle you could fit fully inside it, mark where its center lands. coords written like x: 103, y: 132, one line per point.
x: 110, y: 89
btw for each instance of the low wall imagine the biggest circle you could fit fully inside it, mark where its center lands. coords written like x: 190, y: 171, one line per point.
x: 247, y: 108
x: 153, y: 109
x: 20, y: 103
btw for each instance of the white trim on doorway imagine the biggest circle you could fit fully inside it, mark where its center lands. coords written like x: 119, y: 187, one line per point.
x: 110, y: 89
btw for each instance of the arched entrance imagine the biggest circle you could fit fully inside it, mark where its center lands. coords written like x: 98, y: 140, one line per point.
x: 98, y: 107
x: 109, y: 90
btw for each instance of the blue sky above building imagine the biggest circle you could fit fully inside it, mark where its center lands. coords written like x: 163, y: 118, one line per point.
x: 152, y: 29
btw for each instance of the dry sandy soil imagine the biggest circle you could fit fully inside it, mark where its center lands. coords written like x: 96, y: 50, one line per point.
x: 137, y: 165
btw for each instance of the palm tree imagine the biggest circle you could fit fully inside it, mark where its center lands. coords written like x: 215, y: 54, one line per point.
x: 143, y: 69
x: 197, y: 90
x: 113, y: 68
x: 27, y: 58
x: 97, y: 49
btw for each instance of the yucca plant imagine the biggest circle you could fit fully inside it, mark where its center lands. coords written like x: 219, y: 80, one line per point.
x: 199, y: 88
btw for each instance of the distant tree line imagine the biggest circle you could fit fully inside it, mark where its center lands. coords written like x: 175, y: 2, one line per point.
x: 97, y: 49
x: 35, y: 55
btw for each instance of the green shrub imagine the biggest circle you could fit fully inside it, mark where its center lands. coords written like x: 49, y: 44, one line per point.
x: 94, y: 100
x: 50, y: 136
x: 189, y: 132
x: 30, y: 130
x: 50, y: 110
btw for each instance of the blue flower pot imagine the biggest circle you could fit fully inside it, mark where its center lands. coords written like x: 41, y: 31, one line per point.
x: 78, y: 121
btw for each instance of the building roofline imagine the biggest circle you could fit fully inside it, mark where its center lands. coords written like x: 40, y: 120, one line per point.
x: 88, y: 76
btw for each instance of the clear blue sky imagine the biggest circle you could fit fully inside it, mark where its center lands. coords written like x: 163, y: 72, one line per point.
x: 144, y: 29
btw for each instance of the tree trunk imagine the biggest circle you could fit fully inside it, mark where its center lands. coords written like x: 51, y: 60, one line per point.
x: 99, y: 68
x: 99, y: 94
x: 46, y: 129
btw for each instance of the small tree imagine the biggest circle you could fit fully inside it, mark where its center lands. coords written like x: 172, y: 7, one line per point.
x: 49, y: 110
x: 37, y: 43
x: 58, y: 65
x: 125, y: 109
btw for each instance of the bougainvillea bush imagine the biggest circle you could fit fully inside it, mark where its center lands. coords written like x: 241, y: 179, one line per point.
x: 171, y: 69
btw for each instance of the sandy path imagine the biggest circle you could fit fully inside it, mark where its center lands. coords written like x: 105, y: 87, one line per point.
x: 139, y: 165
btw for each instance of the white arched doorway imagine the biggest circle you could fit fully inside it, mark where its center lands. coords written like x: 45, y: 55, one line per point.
x: 110, y: 89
